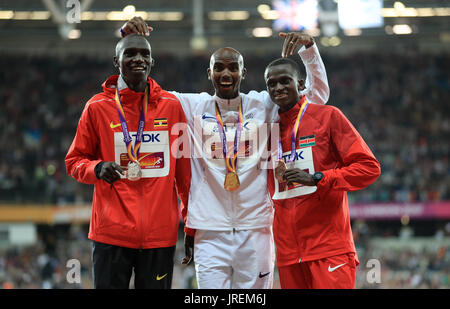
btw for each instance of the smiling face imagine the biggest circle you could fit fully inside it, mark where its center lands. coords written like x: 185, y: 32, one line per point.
x: 133, y: 58
x: 284, y: 85
x: 226, y: 71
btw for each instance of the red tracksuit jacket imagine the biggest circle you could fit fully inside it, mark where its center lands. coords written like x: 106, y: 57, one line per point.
x: 134, y: 214
x: 317, y: 225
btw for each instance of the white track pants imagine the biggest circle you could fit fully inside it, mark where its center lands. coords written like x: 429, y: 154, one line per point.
x: 234, y: 259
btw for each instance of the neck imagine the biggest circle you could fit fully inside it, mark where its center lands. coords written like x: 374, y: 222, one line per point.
x: 284, y: 109
x: 137, y: 86
x: 234, y: 96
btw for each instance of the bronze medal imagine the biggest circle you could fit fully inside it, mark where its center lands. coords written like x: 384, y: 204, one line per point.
x: 279, y: 171
x: 231, y: 181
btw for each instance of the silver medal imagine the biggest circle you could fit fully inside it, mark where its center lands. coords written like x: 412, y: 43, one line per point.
x: 134, y: 171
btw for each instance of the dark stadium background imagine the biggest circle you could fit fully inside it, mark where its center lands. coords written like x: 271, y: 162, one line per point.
x: 392, y: 83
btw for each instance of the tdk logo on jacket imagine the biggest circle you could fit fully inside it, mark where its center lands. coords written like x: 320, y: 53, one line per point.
x: 148, y: 138
x: 298, y: 156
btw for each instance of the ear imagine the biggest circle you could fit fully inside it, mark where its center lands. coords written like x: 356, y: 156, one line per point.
x: 152, y: 62
x: 116, y: 62
x: 301, y: 85
x: 244, y: 73
x: 208, y: 71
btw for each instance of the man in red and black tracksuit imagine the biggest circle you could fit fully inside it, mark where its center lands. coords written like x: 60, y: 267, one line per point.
x: 312, y: 231
x: 134, y: 222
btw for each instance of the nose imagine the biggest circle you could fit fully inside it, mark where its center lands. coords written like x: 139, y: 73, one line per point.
x: 278, y: 87
x: 138, y: 58
x: 226, y: 73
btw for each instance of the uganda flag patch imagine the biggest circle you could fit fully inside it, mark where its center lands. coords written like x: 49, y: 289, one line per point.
x: 160, y: 123
x: 306, y: 141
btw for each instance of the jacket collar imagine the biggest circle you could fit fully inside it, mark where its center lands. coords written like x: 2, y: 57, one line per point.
x: 290, y: 116
x: 121, y: 84
x: 116, y: 81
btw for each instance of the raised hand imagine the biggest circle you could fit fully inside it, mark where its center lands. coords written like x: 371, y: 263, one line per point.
x: 136, y: 25
x: 293, y: 40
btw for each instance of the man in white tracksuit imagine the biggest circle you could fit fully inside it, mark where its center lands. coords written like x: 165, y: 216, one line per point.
x: 229, y: 219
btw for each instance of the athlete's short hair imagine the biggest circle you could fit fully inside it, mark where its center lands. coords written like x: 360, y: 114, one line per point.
x: 290, y: 62
x: 131, y: 36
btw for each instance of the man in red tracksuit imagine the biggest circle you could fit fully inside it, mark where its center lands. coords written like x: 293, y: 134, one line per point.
x: 321, y: 156
x: 123, y: 145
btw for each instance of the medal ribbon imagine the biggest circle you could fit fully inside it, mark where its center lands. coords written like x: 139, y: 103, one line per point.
x: 230, y: 160
x: 301, y: 112
x: 133, y: 152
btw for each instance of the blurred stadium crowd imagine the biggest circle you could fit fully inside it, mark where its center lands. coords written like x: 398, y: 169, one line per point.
x: 397, y: 100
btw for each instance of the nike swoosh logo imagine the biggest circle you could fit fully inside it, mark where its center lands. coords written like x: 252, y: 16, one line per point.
x: 331, y: 269
x: 113, y: 126
x: 204, y: 117
x: 263, y: 275
x: 160, y: 277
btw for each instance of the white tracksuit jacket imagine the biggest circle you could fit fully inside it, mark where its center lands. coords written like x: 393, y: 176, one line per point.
x: 210, y: 206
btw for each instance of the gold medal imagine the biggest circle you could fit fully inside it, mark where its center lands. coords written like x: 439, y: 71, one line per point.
x: 134, y: 171
x: 231, y: 181
x: 279, y: 171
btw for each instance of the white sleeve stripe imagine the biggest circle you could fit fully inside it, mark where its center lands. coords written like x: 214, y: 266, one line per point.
x: 76, y: 168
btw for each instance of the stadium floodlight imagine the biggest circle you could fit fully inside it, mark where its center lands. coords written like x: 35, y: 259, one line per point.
x: 262, y: 32
x: 402, y: 29
x: 129, y: 10
x: 228, y: 15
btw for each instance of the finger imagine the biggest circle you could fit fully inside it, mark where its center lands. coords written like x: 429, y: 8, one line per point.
x: 186, y: 260
x: 118, y: 169
x: 285, y: 46
x: 288, y: 44
x: 292, y: 172
x: 283, y: 34
x: 187, y: 256
x: 137, y: 21
x: 292, y: 45
x: 291, y: 178
x: 295, y: 47
x: 111, y: 174
x: 132, y: 28
x: 143, y: 27
x: 107, y: 180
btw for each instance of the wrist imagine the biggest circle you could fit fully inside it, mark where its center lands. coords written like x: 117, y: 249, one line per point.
x: 311, y: 43
x: 98, y: 168
x: 317, y: 177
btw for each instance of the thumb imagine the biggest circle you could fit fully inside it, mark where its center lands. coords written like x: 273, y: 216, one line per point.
x: 283, y: 34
